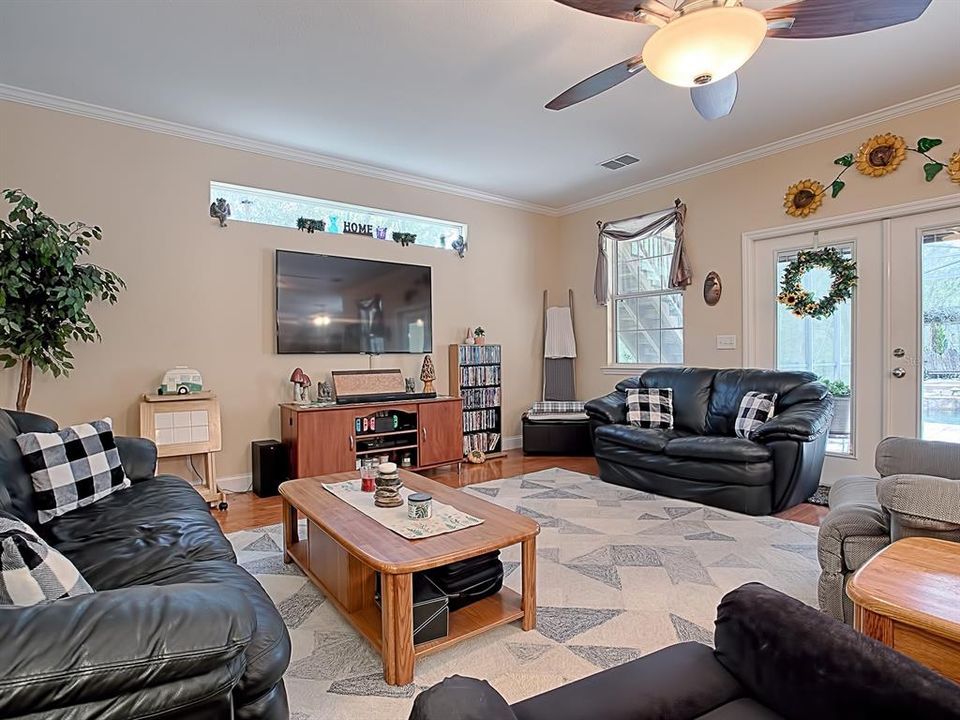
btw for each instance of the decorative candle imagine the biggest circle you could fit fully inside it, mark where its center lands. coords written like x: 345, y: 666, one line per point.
x: 419, y: 506
x: 368, y: 473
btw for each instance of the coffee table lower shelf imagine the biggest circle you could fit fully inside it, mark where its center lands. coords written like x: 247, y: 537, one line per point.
x: 504, y: 607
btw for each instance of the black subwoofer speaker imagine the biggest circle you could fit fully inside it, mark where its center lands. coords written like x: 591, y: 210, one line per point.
x: 270, y: 465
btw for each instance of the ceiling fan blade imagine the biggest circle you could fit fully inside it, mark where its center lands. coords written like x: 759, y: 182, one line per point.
x: 716, y: 100
x: 630, y: 10
x: 833, y: 18
x: 596, y: 84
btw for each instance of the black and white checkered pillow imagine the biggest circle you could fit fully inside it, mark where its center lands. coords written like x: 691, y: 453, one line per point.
x: 31, y: 571
x: 650, y: 407
x: 755, y: 409
x: 73, y: 467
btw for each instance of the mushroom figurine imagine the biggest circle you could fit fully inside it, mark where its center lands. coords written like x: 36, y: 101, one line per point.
x: 301, y: 381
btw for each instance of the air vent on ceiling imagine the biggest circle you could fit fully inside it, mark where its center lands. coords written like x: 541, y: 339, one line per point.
x: 619, y: 162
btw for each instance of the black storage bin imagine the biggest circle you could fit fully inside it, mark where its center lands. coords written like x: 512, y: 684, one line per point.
x: 431, y: 610
x: 469, y: 580
x: 556, y: 437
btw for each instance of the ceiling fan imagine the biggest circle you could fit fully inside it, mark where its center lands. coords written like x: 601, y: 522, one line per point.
x: 700, y: 44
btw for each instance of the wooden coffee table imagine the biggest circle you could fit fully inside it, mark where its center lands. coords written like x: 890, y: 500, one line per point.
x: 344, y: 548
x: 906, y: 596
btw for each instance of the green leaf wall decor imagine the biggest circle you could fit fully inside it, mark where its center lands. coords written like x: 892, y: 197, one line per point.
x: 931, y: 169
x: 926, y: 144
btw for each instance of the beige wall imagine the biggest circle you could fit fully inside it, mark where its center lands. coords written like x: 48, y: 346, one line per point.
x: 202, y: 296
x: 723, y: 205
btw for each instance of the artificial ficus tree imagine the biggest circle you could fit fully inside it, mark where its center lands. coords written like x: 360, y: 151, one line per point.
x: 45, y: 290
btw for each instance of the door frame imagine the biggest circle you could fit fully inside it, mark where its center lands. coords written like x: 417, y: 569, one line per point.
x: 884, y: 215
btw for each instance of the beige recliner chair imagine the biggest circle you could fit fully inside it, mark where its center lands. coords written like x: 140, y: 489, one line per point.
x: 918, y: 493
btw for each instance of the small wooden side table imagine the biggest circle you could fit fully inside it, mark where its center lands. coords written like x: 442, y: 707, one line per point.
x: 184, y: 426
x: 907, y: 596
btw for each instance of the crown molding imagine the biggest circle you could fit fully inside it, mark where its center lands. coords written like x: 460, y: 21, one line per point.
x: 236, y: 142
x: 872, y: 118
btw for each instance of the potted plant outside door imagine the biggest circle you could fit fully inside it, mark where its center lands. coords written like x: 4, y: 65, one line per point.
x: 841, y: 408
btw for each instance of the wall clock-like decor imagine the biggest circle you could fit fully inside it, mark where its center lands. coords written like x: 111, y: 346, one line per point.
x: 712, y: 288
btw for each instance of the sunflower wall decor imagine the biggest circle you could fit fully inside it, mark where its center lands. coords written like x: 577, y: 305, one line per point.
x: 801, y: 301
x: 878, y: 156
x: 803, y: 198
x: 953, y: 167
x: 881, y: 155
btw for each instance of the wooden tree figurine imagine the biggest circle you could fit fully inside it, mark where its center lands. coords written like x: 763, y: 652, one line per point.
x: 428, y: 374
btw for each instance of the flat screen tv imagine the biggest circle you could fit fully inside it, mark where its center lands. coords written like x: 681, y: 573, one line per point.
x: 330, y: 304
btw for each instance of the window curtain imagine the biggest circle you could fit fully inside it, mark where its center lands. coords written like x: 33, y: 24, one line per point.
x: 637, y: 228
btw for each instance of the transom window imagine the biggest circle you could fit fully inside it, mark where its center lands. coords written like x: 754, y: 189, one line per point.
x: 269, y: 207
x: 647, y: 313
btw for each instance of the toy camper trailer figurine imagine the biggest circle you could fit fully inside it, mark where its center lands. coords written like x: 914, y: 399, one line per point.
x: 181, y: 381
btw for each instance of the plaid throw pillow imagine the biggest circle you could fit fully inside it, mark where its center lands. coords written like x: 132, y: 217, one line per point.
x: 31, y: 571
x: 755, y: 409
x: 650, y: 407
x: 73, y: 467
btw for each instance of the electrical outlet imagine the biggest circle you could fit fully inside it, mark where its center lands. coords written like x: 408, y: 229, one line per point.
x: 726, y: 342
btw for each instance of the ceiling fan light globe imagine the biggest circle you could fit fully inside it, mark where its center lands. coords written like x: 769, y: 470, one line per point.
x: 711, y: 43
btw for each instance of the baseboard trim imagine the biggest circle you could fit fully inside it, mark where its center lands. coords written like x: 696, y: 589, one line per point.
x: 236, y: 483
x: 513, y: 442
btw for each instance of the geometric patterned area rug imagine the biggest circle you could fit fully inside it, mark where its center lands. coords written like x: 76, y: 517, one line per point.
x: 620, y: 573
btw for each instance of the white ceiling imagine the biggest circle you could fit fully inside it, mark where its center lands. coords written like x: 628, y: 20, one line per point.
x: 452, y: 90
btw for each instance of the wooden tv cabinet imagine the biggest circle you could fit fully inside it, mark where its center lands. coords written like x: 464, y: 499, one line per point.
x: 325, y: 440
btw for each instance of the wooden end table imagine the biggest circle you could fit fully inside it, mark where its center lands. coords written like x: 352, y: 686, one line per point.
x: 344, y: 549
x: 907, y: 596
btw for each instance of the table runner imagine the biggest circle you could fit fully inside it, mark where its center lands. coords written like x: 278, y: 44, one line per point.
x: 446, y: 518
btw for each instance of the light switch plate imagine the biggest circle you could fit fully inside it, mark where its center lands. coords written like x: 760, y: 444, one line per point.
x: 726, y: 342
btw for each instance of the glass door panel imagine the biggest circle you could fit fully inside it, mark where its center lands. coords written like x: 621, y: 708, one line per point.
x: 822, y: 346
x: 940, y: 336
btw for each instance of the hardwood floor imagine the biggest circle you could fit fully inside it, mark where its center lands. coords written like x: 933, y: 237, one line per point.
x: 249, y: 511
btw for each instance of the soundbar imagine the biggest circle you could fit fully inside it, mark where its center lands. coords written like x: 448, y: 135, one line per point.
x: 383, y: 397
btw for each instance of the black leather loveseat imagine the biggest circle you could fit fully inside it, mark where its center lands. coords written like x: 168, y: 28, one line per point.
x: 175, y: 630
x: 775, y: 658
x: 701, y: 459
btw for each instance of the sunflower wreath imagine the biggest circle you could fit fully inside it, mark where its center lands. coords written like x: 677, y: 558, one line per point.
x: 800, y: 301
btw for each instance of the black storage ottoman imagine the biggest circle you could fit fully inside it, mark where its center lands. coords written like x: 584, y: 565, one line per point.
x: 556, y: 437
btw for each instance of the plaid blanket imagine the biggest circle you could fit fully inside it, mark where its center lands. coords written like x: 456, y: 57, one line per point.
x: 555, y: 407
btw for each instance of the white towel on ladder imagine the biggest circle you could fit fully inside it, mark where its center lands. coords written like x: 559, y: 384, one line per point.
x: 560, y: 342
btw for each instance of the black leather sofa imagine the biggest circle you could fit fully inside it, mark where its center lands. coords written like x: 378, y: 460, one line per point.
x: 175, y: 629
x: 701, y: 459
x: 775, y: 658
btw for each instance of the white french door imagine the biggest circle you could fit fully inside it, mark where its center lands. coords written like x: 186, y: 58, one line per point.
x: 923, y: 357
x: 891, y: 354
x: 843, y: 350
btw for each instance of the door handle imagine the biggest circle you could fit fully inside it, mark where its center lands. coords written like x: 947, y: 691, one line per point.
x: 352, y: 443
x: 423, y: 431
x: 899, y: 372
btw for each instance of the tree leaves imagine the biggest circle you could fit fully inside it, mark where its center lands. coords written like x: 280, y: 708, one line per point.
x: 836, y: 186
x: 45, y: 287
x: 846, y: 161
